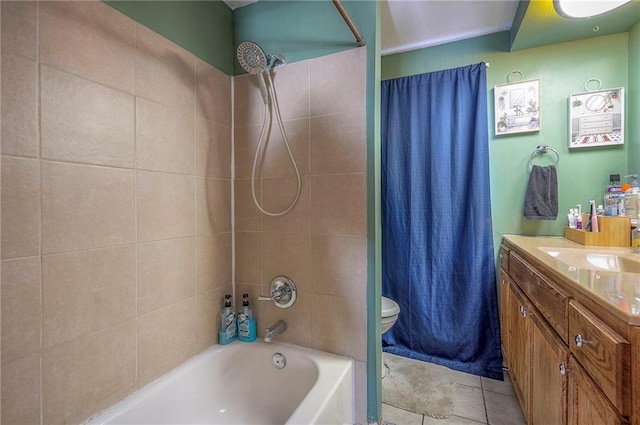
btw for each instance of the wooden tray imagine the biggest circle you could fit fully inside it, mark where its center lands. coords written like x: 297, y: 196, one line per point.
x: 614, y: 231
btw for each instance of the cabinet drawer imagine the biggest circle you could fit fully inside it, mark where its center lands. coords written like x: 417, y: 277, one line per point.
x: 545, y: 295
x: 603, y: 353
x: 503, y: 254
x: 587, y: 404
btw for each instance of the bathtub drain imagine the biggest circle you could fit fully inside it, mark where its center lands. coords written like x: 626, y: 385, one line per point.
x: 279, y: 361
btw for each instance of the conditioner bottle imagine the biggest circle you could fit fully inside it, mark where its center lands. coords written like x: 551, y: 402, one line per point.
x: 246, y: 321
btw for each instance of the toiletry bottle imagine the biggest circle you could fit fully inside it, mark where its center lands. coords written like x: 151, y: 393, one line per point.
x: 593, y: 217
x: 573, y: 218
x: 579, y: 222
x: 246, y: 321
x: 635, y: 239
x: 632, y: 199
x: 621, y: 210
x: 227, y: 322
x: 611, y: 195
x: 631, y: 204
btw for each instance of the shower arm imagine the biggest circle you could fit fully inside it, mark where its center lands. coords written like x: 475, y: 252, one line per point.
x: 359, y: 39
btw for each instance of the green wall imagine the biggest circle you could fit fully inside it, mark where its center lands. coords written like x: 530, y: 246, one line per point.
x: 307, y: 29
x: 204, y: 28
x: 633, y: 116
x: 562, y: 69
x: 301, y: 29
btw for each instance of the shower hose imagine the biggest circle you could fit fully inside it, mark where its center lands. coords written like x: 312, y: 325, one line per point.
x: 259, y: 148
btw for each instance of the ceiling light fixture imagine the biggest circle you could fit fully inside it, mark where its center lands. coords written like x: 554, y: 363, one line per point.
x: 586, y: 8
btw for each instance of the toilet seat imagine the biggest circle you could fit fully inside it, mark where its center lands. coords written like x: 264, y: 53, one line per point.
x: 389, y: 307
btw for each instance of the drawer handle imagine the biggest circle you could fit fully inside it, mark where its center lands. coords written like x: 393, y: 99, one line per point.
x: 523, y: 311
x: 580, y: 341
x: 563, y: 369
x: 503, y: 281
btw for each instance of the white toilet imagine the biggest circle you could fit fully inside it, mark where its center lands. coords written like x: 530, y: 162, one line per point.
x: 390, y: 311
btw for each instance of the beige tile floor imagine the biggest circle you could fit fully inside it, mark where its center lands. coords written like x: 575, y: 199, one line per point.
x: 478, y: 401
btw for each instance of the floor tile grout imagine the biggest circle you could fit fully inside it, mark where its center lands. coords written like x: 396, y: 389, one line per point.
x: 484, y: 402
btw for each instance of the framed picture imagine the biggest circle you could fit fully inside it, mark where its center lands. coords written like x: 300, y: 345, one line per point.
x: 517, y: 107
x: 596, y: 118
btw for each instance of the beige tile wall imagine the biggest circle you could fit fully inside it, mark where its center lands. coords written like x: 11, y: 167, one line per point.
x: 116, y: 201
x: 321, y: 243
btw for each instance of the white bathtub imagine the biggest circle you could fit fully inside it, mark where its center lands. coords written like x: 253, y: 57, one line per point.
x: 238, y: 384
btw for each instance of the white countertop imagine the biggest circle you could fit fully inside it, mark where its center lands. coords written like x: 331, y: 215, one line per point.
x: 619, y: 290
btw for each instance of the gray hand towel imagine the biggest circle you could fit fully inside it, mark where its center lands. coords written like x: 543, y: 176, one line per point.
x: 541, y: 200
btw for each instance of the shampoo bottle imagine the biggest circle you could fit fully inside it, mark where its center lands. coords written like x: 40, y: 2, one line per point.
x: 246, y: 321
x: 227, y: 322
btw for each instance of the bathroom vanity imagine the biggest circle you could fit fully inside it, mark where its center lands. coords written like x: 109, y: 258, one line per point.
x: 570, y: 327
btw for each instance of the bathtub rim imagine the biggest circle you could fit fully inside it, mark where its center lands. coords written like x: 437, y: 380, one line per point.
x: 342, y: 365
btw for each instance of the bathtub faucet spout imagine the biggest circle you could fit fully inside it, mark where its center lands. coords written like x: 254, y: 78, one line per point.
x: 279, y: 327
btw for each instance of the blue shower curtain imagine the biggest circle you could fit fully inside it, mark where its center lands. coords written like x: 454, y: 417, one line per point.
x: 437, y: 246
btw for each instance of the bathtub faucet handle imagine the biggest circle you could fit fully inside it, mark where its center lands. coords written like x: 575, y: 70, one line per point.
x: 283, y: 292
x: 275, y: 296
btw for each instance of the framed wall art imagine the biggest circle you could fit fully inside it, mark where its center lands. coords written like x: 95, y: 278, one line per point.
x: 517, y: 107
x: 596, y: 118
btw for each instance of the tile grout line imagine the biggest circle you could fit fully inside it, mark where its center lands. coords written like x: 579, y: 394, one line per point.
x: 41, y: 274
x: 40, y: 169
x: 135, y: 197
x: 484, y: 402
x: 196, y: 229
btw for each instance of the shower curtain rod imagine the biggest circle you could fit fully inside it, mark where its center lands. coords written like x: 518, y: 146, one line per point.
x: 359, y: 39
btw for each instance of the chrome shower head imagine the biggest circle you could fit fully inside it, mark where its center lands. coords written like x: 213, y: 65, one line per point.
x: 251, y: 57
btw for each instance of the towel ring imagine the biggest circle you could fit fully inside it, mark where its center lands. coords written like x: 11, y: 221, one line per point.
x: 540, y: 150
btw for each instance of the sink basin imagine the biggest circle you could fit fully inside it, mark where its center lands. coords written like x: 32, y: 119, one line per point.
x: 621, y: 262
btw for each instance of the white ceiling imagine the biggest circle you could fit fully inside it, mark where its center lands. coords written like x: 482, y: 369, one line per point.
x: 234, y: 4
x: 414, y: 24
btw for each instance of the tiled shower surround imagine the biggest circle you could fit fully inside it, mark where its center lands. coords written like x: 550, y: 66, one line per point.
x: 116, y: 207
x: 321, y: 243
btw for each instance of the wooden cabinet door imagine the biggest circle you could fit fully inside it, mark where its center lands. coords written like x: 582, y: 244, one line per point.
x: 504, y: 310
x: 549, y: 383
x: 587, y: 404
x: 603, y: 353
x: 519, y: 351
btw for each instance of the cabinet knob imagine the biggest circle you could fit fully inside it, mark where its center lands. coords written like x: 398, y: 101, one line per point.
x: 503, y: 281
x: 523, y: 311
x: 501, y: 256
x: 580, y: 341
x: 563, y: 369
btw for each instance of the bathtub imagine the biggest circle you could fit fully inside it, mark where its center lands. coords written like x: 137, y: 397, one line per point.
x: 239, y: 384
